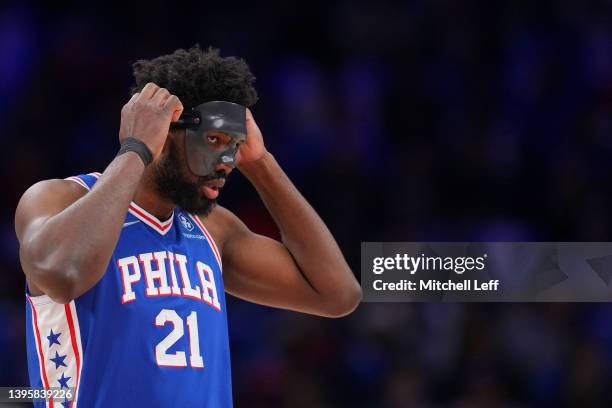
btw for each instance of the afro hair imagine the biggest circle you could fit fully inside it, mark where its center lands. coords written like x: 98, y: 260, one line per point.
x: 197, y: 76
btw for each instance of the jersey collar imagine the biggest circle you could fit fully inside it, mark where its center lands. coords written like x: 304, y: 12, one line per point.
x: 162, y: 227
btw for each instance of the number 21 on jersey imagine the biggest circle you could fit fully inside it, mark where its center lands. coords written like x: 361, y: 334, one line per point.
x: 178, y: 359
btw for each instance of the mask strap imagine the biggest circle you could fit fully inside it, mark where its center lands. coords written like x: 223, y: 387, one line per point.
x: 188, y: 120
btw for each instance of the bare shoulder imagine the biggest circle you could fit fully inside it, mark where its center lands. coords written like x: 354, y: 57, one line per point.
x: 222, y: 224
x: 43, y: 199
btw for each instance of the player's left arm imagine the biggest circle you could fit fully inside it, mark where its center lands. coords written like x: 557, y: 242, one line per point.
x: 306, y: 271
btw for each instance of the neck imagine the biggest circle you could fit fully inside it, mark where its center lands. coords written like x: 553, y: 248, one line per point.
x: 148, y: 198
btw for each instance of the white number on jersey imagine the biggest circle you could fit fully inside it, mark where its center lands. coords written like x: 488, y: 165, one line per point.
x: 178, y: 359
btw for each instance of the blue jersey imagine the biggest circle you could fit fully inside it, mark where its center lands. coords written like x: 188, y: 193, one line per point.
x: 152, y: 332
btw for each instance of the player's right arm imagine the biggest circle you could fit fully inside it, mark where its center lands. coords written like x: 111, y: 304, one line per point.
x: 67, y: 237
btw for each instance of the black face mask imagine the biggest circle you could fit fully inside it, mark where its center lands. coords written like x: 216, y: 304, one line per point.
x: 221, y: 116
x: 172, y: 184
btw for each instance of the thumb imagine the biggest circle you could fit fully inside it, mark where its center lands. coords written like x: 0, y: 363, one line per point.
x: 250, y: 120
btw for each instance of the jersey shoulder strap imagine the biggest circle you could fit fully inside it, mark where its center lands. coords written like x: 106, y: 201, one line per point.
x: 85, y: 180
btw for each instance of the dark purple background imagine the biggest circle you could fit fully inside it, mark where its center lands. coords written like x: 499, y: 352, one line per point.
x: 416, y: 121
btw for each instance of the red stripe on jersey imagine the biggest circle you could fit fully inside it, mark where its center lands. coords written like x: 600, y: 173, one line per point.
x: 210, y: 239
x: 40, y: 352
x: 75, y: 348
x: 78, y: 181
x: 150, y: 219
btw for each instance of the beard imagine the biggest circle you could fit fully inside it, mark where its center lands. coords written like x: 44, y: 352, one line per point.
x: 172, y: 183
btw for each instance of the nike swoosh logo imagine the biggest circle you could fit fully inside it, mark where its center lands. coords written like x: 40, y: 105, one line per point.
x: 127, y: 224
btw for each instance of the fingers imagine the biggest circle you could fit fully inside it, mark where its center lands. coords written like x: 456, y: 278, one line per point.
x: 250, y: 121
x: 130, y: 102
x: 133, y: 98
x: 174, y: 105
x: 148, y: 91
x: 157, y: 96
x: 160, y: 97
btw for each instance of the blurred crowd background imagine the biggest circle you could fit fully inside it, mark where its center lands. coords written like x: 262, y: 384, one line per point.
x: 427, y: 120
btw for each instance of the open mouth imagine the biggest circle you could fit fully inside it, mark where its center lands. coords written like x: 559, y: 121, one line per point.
x: 211, y: 188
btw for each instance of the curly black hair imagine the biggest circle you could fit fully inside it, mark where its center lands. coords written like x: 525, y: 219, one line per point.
x: 197, y: 76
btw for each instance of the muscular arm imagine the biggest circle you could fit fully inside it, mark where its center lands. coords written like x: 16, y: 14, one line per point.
x: 67, y: 238
x: 306, y: 272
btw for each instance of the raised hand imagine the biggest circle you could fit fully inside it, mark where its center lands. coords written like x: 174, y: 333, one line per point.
x: 253, y: 148
x: 147, y: 116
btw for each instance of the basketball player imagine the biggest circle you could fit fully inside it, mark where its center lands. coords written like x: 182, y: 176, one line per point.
x: 126, y: 269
